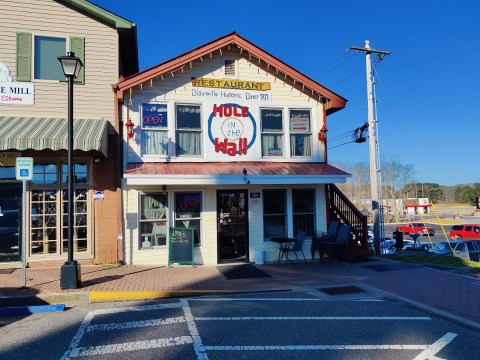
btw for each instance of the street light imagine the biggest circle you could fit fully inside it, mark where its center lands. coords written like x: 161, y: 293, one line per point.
x: 70, y: 271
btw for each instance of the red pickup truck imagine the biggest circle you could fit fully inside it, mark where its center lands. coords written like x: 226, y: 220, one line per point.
x: 416, y: 228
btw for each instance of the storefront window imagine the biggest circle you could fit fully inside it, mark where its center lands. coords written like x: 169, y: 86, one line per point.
x: 188, y: 213
x: 272, y: 132
x: 154, y: 129
x: 274, y: 215
x: 49, y: 209
x: 303, y: 201
x: 153, y: 220
x: 300, y: 134
x: 189, y: 130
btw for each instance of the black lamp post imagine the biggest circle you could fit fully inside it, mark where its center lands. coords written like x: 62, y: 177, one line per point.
x: 70, y: 271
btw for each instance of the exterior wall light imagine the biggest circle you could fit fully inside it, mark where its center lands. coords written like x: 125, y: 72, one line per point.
x: 322, y: 134
x: 129, y: 125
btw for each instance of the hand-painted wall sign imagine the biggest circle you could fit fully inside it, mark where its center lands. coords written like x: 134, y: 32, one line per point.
x: 231, y: 129
x: 231, y: 84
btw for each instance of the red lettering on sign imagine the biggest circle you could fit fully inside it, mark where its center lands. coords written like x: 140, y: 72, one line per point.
x: 230, y: 148
x: 229, y: 110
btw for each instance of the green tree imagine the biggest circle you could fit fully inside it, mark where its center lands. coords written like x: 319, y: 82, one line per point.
x: 466, y: 194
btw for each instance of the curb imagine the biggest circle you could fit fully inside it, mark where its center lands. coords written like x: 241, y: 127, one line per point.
x: 104, y: 296
x: 427, y: 308
x: 27, y: 310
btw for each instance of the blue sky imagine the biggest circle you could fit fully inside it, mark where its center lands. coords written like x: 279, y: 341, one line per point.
x: 427, y: 89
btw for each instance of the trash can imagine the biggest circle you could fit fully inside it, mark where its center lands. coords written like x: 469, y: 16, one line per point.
x: 259, y: 257
x: 398, y: 236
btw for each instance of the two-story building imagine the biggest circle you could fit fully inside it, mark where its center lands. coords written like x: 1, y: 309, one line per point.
x: 229, y: 141
x: 33, y: 123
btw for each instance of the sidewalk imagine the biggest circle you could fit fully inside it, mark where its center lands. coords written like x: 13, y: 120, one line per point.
x: 447, y: 294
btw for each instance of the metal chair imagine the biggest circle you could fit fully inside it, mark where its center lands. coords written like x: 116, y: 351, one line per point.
x: 329, y: 235
x: 338, y: 246
x: 297, y: 246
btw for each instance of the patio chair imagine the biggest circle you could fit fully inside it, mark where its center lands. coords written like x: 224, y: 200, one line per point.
x: 296, y: 247
x: 337, y: 247
x: 329, y: 235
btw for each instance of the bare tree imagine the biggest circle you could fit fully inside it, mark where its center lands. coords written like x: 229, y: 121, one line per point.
x: 395, y: 177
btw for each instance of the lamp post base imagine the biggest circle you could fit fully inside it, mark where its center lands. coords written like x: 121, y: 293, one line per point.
x: 70, y: 275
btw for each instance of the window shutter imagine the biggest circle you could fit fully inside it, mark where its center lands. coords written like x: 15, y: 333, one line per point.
x: 77, y: 45
x: 24, y: 57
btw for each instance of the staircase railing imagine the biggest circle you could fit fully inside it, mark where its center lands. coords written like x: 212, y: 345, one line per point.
x: 339, y: 207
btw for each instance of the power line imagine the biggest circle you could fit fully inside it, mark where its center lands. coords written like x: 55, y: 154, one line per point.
x: 332, y: 62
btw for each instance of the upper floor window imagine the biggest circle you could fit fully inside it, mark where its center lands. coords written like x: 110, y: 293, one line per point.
x: 46, y: 50
x: 188, y: 130
x: 230, y: 69
x: 155, y: 129
x: 39, y: 53
x: 272, y: 132
x: 300, y: 133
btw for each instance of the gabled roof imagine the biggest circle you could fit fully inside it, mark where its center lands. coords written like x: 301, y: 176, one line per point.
x: 100, y: 13
x: 127, y: 32
x: 334, y: 102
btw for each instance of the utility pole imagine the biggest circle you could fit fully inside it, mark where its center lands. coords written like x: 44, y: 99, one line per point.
x: 375, y: 174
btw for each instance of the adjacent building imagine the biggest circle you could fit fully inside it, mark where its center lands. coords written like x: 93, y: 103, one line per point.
x: 33, y: 112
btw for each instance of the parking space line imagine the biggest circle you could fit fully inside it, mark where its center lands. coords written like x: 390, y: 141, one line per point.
x: 130, y: 346
x: 430, y: 351
x: 192, y: 327
x: 237, y: 318
x: 135, y: 324
x: 313, y: 347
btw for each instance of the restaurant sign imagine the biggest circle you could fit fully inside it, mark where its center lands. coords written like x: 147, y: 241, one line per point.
x: 232, y: 84
x: 232, y: 129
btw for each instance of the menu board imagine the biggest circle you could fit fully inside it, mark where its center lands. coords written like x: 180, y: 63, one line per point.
x: 180, y: 250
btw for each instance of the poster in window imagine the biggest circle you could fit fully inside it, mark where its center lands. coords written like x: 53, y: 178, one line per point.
x: 300, y: 121
x: 154, y: 116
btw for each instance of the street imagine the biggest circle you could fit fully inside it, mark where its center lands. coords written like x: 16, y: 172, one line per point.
x: 309, y: 323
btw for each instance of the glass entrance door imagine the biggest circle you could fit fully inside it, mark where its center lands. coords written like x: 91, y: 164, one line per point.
x: 10, y: 222
x: 232, y: 226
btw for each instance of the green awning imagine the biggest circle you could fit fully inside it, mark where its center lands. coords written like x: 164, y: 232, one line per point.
x: 22, y: 133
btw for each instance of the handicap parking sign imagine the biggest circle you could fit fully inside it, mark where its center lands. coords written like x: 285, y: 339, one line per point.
x: 24, y: 168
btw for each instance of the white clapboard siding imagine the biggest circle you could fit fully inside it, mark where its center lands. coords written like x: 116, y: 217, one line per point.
x: 95, y: 98
x: 177, y: 88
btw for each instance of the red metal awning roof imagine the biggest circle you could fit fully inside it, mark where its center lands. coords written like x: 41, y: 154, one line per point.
x: 210, y: 173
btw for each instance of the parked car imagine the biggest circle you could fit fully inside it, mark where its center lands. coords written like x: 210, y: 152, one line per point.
x: 465, y: 231
x: 467, y: 250
x: 416, y: 228
x: 392, y: 249
x: 445, y: 247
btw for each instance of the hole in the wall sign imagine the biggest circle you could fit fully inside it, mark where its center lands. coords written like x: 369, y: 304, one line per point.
x: 231, y: 129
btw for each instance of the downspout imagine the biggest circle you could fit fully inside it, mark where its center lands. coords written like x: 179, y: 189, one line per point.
x: 118, y: 180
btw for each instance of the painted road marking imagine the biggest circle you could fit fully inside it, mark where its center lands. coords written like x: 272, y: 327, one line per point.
x: 314, y: 347
x: 430, y: 351
x: 192, y: 327
x: 227, y: 318
x: 130, y: 346
x: 135, y: 324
